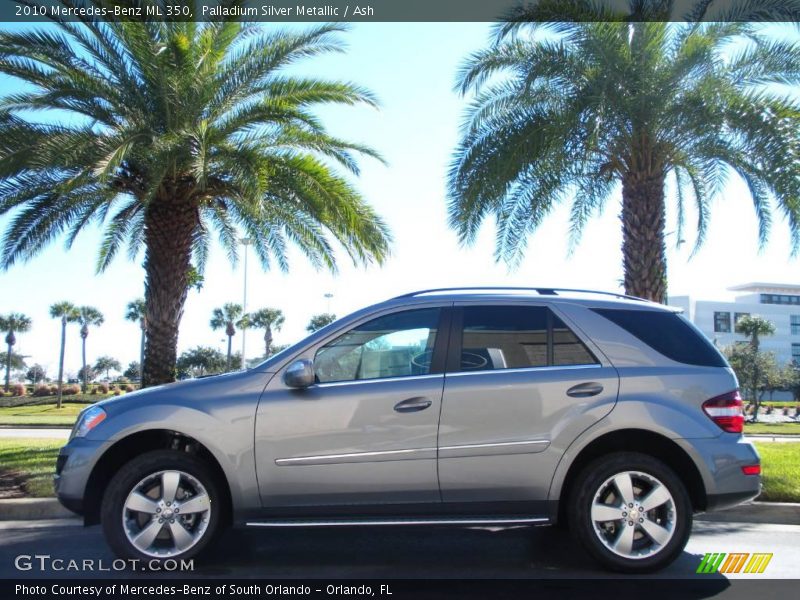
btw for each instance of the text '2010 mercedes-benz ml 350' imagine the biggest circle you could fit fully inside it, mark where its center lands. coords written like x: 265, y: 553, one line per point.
x: 475, y: 406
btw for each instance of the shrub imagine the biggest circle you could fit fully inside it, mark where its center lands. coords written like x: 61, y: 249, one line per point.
x: 117, y: 392
x: 53, y: 390
x: 41, y: 390
x: 71, y: 390
x: 93, y: 391
x: 103, y: 388
x: 18, y: 389
x: 130, y: 388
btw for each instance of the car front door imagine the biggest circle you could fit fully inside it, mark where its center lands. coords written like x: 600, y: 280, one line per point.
x: 520, y: 386
x: 365, y: 432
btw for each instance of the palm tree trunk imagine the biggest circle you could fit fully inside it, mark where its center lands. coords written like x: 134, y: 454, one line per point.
x: 169, y: 227
x: 83, y: 358
x: 267, y: 341
x: 61, y: 359
x: 8, y: 368
x: 643, y: 249
x: 141, y: 352
x: 230, y: 341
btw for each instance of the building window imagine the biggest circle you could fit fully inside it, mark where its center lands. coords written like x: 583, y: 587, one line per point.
x: 779, y: 299
x: 795, y: 324
x: 736, y: 318
x: 722, y: 322
x: 796, y: 353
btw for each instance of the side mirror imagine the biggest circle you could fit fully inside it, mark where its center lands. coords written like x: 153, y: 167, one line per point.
x: 300, y: 374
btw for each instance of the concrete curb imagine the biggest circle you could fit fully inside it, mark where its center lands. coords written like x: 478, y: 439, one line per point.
x: 779, y: 513
x: 25, y: 509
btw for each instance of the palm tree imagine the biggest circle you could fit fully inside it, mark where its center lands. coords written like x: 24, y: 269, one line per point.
x: 266, y: 319
x: 319, y: 321
x: 571, y: 111
x: 107, y: 364
x: 228, y: 318
x: 68, y: 313
x: 87, y: 316
x: 136, y: 312
x: 183, y: 129
x: 12, y: 323
x: 755, y: 327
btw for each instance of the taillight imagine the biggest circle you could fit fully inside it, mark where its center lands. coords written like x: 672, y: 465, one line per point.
x: 726, y: 411
x: 751, y: 469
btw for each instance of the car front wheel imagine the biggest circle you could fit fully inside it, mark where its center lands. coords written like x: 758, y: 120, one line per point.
x: 631, y: 512
x: 161, y: 505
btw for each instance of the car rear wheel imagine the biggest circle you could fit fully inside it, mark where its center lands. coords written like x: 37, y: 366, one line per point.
x: 631, y: 512
x: 161, y: 505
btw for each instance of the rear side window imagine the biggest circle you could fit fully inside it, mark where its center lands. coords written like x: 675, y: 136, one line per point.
x: 667, y: 333
x: 518, y: 337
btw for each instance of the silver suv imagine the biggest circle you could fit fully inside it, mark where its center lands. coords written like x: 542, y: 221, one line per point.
x: 442, y: 407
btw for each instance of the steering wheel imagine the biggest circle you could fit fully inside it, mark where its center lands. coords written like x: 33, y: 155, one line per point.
x: 471, y: 361
x: 423, y: 359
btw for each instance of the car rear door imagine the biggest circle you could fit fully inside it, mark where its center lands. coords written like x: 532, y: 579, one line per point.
x: 521, y: 384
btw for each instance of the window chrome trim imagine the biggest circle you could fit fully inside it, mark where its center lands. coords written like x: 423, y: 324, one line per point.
x: 377, y: 380
x: 524, y: 370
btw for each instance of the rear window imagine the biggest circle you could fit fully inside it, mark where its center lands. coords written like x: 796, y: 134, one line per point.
x: 667, y: 333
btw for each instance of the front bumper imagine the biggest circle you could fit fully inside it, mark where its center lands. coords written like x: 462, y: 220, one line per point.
x: 73, y: 468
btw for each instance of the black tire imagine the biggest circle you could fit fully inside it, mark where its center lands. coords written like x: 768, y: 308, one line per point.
x: 133, y: 472
x: 591, y: 481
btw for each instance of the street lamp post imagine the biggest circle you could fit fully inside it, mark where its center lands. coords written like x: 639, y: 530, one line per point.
x: 328, y: 297
x: 245, y: 242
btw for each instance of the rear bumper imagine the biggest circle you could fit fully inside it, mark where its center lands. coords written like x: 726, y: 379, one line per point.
x: 720, y: 461
x: 721, y: 501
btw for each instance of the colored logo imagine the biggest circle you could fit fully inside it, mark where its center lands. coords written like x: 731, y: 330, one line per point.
x: 734, y: 562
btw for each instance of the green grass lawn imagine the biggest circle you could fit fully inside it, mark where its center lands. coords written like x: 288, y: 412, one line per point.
x: 41, y: 414
x: 773, y: 428
x: 33, y: 461
x: 780, y: 467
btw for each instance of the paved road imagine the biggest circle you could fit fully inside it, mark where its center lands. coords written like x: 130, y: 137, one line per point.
x: 34, y: 432
x: 426, y: 553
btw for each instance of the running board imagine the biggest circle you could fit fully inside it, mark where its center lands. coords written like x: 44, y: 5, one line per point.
x: 522, y: 520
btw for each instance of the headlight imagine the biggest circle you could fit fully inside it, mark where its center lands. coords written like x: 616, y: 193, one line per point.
x: 89, y: 419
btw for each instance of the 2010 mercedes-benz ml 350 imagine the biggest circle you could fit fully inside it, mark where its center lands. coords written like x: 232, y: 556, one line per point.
x: 459, y: 407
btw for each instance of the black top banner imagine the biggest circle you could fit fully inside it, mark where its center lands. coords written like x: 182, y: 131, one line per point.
x: 287, y: 11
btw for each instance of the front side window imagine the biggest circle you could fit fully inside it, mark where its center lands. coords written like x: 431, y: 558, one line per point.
x: 722, y: 322
x: 518, y: 337
x: 395, y: 345
x: 796, y: 353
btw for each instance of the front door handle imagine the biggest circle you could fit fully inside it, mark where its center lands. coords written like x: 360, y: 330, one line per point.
x: 412, y: 404
x: 585, y: 390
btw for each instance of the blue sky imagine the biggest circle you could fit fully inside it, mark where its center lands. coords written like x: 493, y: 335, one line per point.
x: 411, y: 68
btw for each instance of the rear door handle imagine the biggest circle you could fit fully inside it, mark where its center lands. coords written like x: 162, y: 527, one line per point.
x: 585, y: 390
x: 412, y: 404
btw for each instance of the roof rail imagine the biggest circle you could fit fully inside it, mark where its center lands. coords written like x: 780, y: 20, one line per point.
x: 542, y: 291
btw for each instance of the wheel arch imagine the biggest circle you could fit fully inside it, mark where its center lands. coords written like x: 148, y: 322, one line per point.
x: 137, y: 443
x: 631, y: 440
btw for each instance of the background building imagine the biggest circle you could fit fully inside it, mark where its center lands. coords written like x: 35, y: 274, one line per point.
x: 776, y: 302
